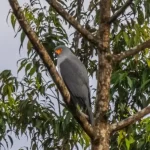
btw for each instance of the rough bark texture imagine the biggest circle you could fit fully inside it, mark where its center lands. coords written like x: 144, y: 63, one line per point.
x: 104, y: 74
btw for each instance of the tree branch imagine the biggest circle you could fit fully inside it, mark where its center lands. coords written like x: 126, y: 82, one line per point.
x: 120, y: 125
x: 39, y: 48
x: 73, y: 22
x: 131, y: 52
x: 120, y: 11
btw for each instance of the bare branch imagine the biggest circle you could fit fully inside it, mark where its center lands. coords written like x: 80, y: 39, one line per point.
x: 120, y: 11
x: 39, y: 48
x: 73, y: 22
x: 131, y: 52
x: 132, y: 119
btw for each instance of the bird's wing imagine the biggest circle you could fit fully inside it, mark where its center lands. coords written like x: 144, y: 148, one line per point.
x: 75, y: 79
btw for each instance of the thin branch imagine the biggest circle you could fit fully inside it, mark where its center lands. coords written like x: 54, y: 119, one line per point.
x: 132, y: 119
x: 73, y: 22
x: 39, y: 48
x: 131, y: 52
x: 120, y: 11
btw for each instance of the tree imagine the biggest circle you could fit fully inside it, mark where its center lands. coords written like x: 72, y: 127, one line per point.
x: 112, y: 40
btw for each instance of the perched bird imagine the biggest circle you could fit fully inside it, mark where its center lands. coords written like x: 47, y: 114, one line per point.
x: 75, y: 77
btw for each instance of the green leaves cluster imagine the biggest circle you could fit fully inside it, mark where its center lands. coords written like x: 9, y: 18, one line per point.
x: 130, y: 80
x: 27, y: 108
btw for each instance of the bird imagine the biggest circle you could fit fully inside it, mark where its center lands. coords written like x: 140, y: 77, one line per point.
x: 75, y: 77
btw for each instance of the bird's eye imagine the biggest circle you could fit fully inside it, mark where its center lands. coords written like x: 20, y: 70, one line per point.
x: 58, y: 51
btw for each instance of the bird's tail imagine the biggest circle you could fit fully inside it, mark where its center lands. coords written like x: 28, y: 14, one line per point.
x: 90, y: 114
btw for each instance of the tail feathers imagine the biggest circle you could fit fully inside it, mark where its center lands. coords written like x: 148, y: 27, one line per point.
x: 90, y: 114
x: 84, y: 106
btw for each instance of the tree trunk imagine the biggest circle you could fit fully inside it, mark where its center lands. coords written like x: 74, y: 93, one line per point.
x: 103, y: 86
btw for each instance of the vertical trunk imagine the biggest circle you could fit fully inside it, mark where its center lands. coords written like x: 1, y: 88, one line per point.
x: 103, y: 85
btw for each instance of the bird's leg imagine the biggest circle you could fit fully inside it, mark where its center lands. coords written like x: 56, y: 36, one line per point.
x: 85, y: 115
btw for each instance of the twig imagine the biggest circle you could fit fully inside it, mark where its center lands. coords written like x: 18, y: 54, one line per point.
x: 120, y: 125
x: 120, y: 11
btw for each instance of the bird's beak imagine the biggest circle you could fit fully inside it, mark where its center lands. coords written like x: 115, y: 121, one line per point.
x: 58, y: 51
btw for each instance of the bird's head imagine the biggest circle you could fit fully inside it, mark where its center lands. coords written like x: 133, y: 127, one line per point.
x: 61, y: 50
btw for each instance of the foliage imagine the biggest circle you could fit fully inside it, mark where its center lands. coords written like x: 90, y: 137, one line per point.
x: 33, y: 106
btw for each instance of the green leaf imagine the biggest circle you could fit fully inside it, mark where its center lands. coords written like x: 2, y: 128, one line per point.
x: 148, y: 62
x: 140, y: 16
x: 130, y: 83
x: 6, y: 73
x: 127, y: 144
x: 11, y: 140
x: 144, y: 84
x: 28, y: 66
x: 29, y: 47
x: 22, y: 37
x: 34, y: 147
x: 13, y: 20
x: 126, y: 38
x: 131, y: 140
x: 23, y: 63
x: 32, y: 71
x: 120, y: 137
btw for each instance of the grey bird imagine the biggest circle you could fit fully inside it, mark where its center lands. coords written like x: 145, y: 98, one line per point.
x: 75, y: 77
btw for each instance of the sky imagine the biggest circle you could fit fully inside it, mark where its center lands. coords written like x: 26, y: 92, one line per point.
x: 9, y: 54
x: 9, y: 44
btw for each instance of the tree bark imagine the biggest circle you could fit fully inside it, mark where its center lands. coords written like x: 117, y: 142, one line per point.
x: 102, y: 126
